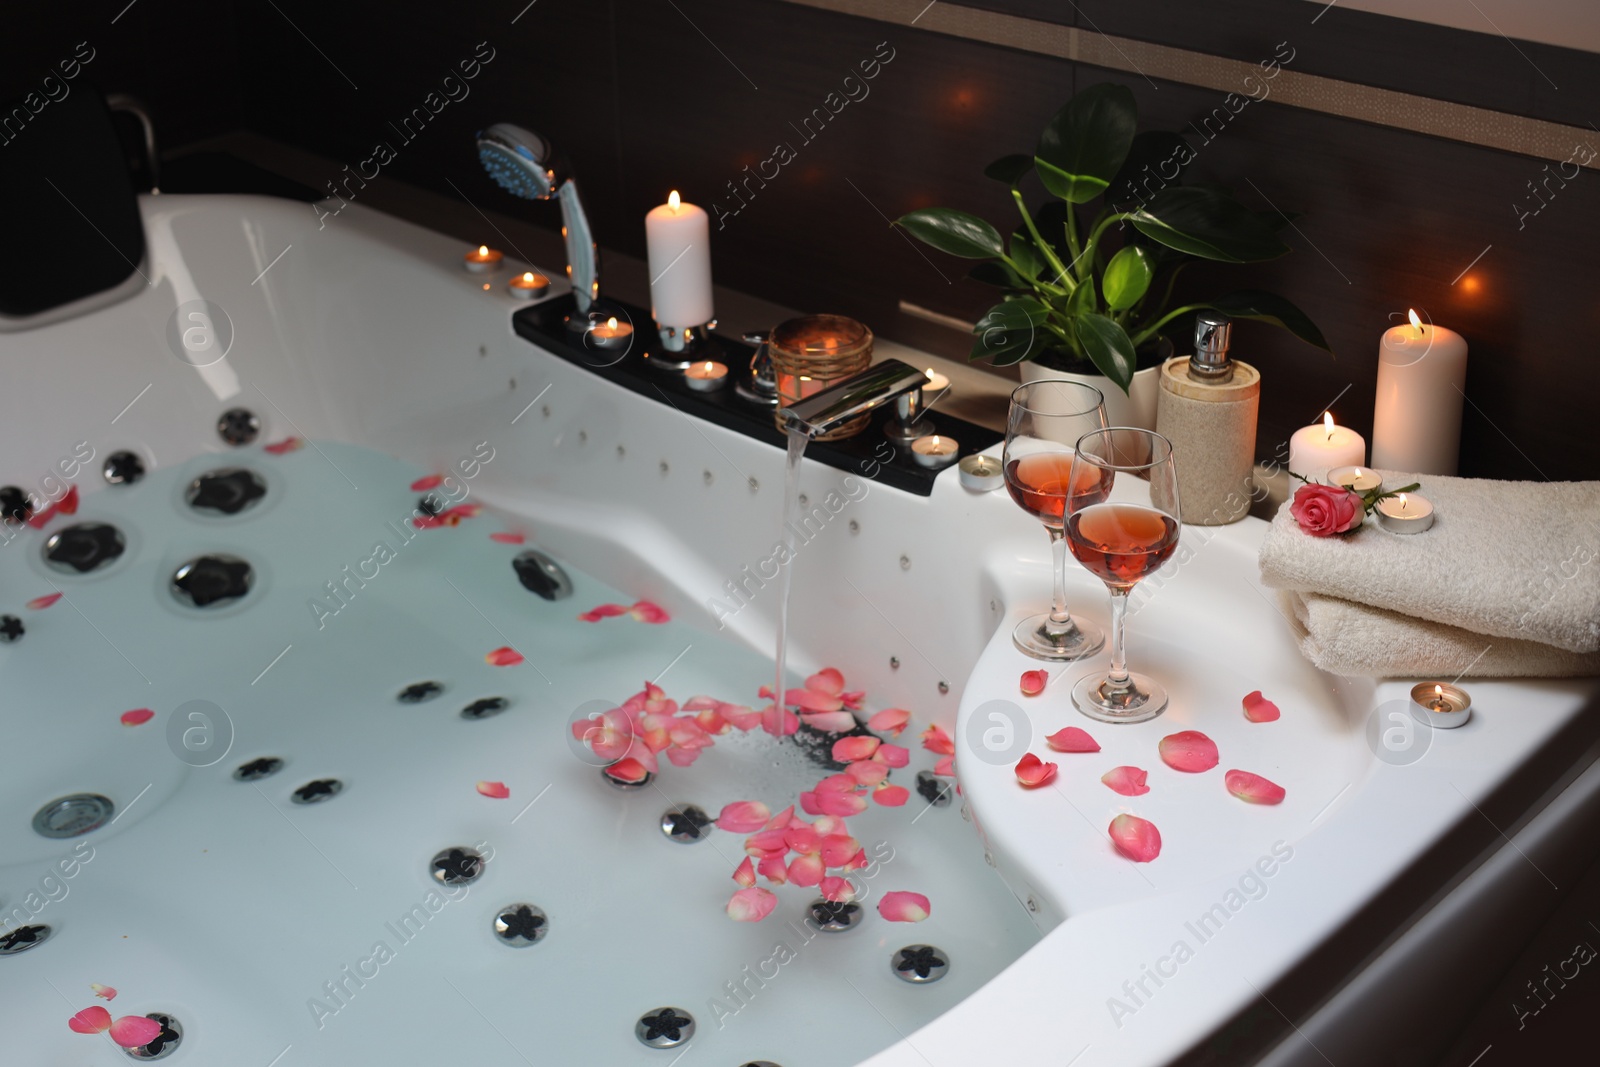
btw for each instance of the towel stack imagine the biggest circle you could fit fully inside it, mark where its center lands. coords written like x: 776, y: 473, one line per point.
x: 1505, y: 585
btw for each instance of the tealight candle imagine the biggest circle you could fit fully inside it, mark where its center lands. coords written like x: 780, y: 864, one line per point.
x: 1441, y: 705
x: 482, y: 260
x: 1406, y: 513
x: 935, y: 451
x: 982, y: 474
x: 937, y: 384
x: 1315, y: 450
x: 611, y: 334
x: 528, y: 285
x: 706, y: 377
x: 1361, y: 479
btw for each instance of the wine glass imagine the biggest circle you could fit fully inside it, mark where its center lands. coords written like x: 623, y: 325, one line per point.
x: 1122, y: 542
x: 1045, y: 418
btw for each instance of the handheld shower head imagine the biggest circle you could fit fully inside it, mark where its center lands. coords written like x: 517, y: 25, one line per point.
x: 525, y: 165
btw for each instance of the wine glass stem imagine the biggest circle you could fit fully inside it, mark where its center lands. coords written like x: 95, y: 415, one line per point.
x: 1058, y: 548
x: 1117, y: 676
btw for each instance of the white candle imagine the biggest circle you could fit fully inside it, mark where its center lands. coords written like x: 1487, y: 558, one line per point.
x: 706, y: 377
x: 935, y: 451
x: 937, y: 384
x: 678, y: 237
x: 1406, y: 513
x: 1360, y: 479
x: 482, y: 260
x: 610, y: 335
x: 528, y: 285
x: 1422, y: 379
x: 1315, y: 450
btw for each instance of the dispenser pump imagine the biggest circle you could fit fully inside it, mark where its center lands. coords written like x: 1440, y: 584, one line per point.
x: 1210, y: 362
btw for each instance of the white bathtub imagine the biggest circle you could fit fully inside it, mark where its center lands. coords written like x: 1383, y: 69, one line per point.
x: 368, y: 332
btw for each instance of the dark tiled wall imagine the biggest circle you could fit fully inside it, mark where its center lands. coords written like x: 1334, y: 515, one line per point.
x: 647, y: 95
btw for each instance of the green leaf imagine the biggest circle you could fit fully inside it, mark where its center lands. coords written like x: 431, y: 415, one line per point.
x: 1022, y: 313
x: 994, y: 272
x: 1108, y: 347
x: 1010, y: 331
x: 1205, y: 223
x: 1084, y: 145
x: 1082, y: 301
x: 1009, y: 170
x: 1052, y: 222
x: 1270, y: 308
x: 1127, y: 277
x: 1030, y: 264
x: 955, y: 232
x: 1156, y: 159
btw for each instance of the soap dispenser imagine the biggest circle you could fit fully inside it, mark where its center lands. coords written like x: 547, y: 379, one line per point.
x: 1207, y: 409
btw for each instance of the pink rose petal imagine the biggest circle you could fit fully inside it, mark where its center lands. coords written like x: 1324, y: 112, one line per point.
x: 850, y: 749
x: 829, y: 722
x: 890, y: 721
x: 494, y: 790
x: 867, y: 771
x: 806, y: 870
x: 752, y: 905
x: 1190, y: 751
x: 1252, y: 788
x: 744, y: 816
x: 105, y: 991
x: 288, y: 444
x: 38, y: 603
x: 137, y: 717
x: 508, y: 537
x: 946, y: 767
x: 1129, y: 781
x: 95, y: 1020
x: 602, y: 611
x: 1136, y: 838
x: 132, y: 1031
x: 745, y: 873
x: 1072, y: 739
x: 901, y: 906
x: 828, y: 680
x: 1033, y: 772
x: 505, y: 656
x: 426, y: 482
x: 774, y: 870
x: 891, y: 796
x: 935, y: 740
x: 1033, y: 682
x: 837, y: 889
x: 1258, y: 708
x: 647, y: 611
x: 892, y: 755
x: 628, y: 770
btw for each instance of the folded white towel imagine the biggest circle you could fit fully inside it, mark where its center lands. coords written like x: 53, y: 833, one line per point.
x: 1506, y: 559
x: 1355, y: 640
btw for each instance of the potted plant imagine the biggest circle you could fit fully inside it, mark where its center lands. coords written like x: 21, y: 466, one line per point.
x: 1074, y: 305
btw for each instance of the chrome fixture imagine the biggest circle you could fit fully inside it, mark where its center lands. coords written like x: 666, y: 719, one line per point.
x: 257, y: 769
x: 22, y: 938
x: 84, y: 547
x: 123, y: 468
x: 665, y: 1028
x: 933, y: 789
x: 521, y: 925
x: 890, y: 381
x: 686, y: 824
x: 919, y: 964
x: 833, y: 917
x: 73, y: 815
x: 214, y: 579
x: 524, y: 164
x: 315, y: 792
x: 540, y: 574
x: 460, y: 865
x: 164, y: 1043
x: 238, y: 426
x: 761, y: 385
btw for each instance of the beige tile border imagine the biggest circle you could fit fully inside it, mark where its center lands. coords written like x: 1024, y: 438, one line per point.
x: 1330, y: 96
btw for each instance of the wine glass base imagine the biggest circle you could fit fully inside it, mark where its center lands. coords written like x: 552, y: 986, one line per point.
x: 1141, y: 699
x: 1041, y: 638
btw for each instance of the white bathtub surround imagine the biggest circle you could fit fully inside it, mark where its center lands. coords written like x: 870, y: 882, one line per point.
x: 378, y: 337
x: 1506, y: 559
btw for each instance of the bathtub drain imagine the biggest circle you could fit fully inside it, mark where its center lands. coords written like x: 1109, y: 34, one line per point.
x: 163, y: 1044
x: 457, y: 866
x: 665, y: 1028
x: 23, y: 938
x: 685, y: 824
x: 73, y: 815
x: 521, y: 925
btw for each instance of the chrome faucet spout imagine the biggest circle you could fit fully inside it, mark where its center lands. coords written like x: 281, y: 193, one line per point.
x: 880, y: 384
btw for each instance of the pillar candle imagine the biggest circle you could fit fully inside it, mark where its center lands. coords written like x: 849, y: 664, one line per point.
x: 1422, y: 378
x: 678, y: 237
x: 1315, y: 450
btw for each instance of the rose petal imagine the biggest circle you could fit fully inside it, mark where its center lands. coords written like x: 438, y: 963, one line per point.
x: 850, y: 749
x: 781, y: 820
x: 68, y: 505
x: 602, y: 611
x: 946, y: 767
x: 137, y: 716
x: 744, y: 816
x: 745, y: 873
x: 935, y: 740
x: 892, y: 755
x: 752, y: 905
x: 837, y: 889
x: 1072, y: 739
x: 288, y: 444
x: 105, y: 991
x: 829, y: 722
x: 806, y: 870
x: 628, y: 770
x: 1258, y: 708
x: 867, y: 771
x: 40, y: 602
x: 1033, y: 772
x: 891, y: 796
x: 1129, y: 781
x: 1252, y: 788
x: 890, y: 721
x: 774, y: 870
x: 1033, y: 682
x: 132, y: 1031
x: 647, y: 611
x: 496, y: 790
x: 508, y: 537
x: 828, y: 680
x: 427, y: 482
x: 503, y: 657
x: 901, y: 906
x: 1190, y: 751
x: 1136, y: 838
x: 95, y: 1020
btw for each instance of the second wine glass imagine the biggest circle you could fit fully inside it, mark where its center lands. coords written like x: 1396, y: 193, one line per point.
x: 1045, y: 418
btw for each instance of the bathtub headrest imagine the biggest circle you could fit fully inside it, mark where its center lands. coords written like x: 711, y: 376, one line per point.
x: 73, y: 228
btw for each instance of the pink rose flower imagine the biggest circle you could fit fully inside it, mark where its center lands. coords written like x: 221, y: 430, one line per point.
x: 1325, y: 510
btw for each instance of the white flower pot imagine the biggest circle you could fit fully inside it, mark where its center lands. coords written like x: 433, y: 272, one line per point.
x: 1136, y: 407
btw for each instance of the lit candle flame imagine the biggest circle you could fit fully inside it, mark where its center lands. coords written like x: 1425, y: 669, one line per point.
x: 1438, y: 691
x: 1327, y: 423
x: 483, y: 250
x: 708, y: 366
x: 611, y: 323
x: 1402, y: 501
x: 1416, y: 323
x: 527, y: 276
x: 673, y: 201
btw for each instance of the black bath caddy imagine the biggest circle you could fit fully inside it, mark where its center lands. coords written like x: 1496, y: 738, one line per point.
x: 869, y: 454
